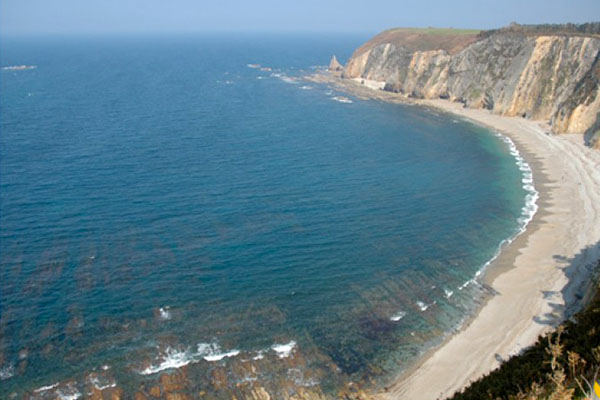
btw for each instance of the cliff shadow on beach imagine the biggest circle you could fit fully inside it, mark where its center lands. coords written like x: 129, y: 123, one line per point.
x: 581, y: 271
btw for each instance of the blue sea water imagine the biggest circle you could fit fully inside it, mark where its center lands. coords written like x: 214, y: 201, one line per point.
x: 163, y: 203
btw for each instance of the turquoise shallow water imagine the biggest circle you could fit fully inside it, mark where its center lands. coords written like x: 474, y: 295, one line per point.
x: 163, y: 204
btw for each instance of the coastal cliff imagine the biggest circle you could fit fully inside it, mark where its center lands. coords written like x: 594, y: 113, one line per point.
x: 547, y: 75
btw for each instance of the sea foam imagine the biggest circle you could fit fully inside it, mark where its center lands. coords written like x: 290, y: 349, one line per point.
x: 164, y: 313
x: 398, y: 316
x: 259, y: 355
x: 423, y: 307
x: 68, y: 393
x: 527, y: 211
x: 341, y: 99
x: 284, y: 350
x: 18, y: 67
x: 285, y: 78
x: 6, y: 372
x: 177, y: 358
x: 46, y: 388
x: 171, y: 359
x: 100, y: 382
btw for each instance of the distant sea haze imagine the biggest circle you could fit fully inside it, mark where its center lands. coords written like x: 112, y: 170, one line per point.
x: 192, y: 201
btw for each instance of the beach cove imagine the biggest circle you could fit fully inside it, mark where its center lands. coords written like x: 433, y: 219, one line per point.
x: 539, y: 278
x: 235, y: 229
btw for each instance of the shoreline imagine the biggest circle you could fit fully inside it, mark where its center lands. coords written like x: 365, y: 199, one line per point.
x: 540, y: 277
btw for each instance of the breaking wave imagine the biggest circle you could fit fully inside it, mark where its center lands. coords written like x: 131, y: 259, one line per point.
x: 527, y: 211
x: 398, y: 316
x: 173, y: 358
x: 284, y: 350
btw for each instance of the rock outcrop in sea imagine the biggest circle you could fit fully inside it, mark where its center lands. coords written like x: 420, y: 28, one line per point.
x: 547, y: 75
x: 334, y: 65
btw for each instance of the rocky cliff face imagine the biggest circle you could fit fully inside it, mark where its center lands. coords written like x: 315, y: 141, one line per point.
x: 542, y: 77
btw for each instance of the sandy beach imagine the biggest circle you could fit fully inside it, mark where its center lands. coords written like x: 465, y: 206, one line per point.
x: 541, y: 277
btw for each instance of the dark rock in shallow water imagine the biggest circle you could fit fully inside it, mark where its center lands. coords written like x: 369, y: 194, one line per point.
x: 174, y: 381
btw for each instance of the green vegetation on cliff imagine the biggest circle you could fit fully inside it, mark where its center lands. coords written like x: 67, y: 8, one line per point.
x: 556, y: 367
x: 413, y: 39
x: 587, y: 29
x: 437, y: 31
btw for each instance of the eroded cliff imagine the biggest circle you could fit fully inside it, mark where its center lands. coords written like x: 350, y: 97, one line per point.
x: 547, y: 77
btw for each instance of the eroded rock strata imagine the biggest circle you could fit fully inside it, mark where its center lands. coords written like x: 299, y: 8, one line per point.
x: 542, y: 76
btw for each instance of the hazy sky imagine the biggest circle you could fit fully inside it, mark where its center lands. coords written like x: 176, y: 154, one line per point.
x: 93, y: 16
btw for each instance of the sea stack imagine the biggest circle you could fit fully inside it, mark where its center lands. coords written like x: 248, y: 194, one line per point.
x: 334, y: 65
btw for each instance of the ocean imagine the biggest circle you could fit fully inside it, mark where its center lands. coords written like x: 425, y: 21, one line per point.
x: 188, y: 205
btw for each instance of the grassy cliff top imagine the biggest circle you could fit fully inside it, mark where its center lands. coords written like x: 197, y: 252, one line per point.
x: 588, y: 29
x: 424, y: 39
x: 436, y: 31
x: 454, y: 40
